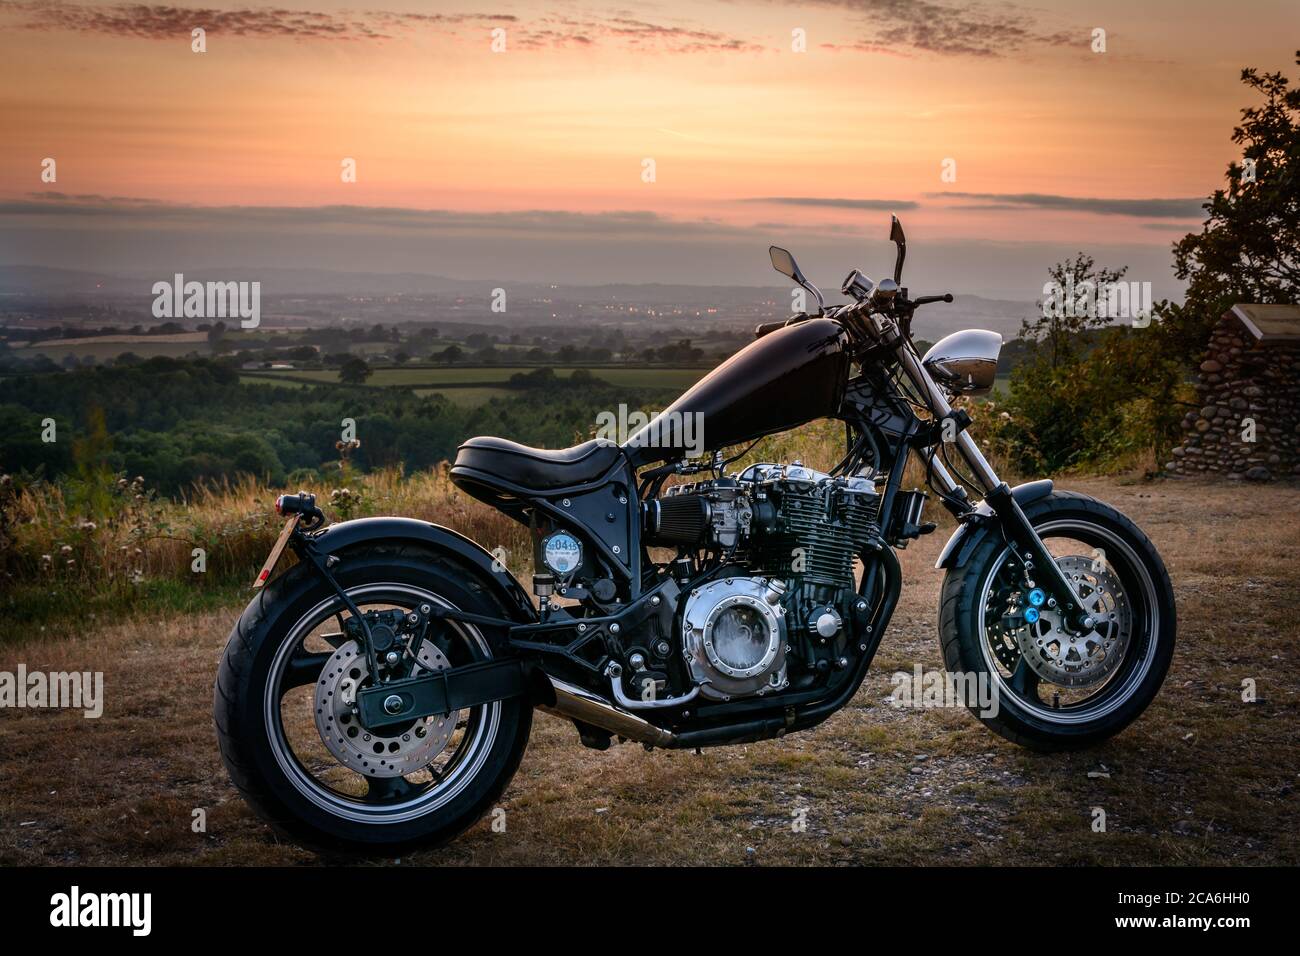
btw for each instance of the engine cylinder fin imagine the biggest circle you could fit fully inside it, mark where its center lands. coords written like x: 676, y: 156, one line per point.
x: 817, y: 532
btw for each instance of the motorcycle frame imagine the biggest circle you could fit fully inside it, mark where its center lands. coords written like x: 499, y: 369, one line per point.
x: 894, y: 437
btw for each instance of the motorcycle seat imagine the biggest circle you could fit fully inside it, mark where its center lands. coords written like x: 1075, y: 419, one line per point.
x: 536, y: 469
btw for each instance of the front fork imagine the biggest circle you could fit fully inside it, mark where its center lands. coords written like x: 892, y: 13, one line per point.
x: 1033, y: 553
x: 1020, y: 534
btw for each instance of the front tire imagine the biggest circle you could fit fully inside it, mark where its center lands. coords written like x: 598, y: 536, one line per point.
x: 1057, y: 691
x: 266, y: 712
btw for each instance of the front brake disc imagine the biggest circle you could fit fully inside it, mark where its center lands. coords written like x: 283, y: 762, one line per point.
x: 1078, y: 660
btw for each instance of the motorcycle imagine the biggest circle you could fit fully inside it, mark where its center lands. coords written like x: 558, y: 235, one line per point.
x: 379, y: 694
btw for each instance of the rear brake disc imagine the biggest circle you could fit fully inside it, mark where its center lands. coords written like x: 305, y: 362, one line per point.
x: 392, y: 752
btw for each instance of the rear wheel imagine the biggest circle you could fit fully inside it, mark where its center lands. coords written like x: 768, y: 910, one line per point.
x: 287, y: 724
x: 1050, y: 688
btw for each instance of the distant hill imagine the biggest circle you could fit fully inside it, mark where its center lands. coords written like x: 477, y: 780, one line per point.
x: 730, y: 306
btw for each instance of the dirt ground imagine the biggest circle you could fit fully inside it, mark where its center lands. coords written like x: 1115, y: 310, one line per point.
x: 1203, y: 778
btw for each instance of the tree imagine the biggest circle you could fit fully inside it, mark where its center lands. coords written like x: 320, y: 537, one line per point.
x: 216, y: 333
x: 449, y: 355
x: 93, y: 476
x: 354, y: 371
x: 1071, y: 398
x: 1091, y: 393
x: 538, y: 378
x: 1248, y: 249
x: 1070, y: 309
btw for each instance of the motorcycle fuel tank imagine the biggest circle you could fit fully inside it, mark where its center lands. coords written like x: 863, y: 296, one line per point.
x: 789, y: 377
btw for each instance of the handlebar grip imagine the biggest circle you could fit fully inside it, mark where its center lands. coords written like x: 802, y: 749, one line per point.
x: 766, y: 327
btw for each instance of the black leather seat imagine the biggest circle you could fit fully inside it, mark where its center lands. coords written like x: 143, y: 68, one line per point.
x: 537, y: 469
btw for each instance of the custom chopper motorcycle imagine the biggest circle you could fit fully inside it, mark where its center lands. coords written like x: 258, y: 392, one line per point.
x: 379, y: 694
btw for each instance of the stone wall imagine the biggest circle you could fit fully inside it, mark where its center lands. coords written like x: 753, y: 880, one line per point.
x: 1242, y: 379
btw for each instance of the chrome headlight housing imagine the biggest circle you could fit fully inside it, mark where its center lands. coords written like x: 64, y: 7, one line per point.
x: 965, y: 362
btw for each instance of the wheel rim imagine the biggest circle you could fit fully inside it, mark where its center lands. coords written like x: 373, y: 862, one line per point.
x: 290, y: 705
x: 1122, y: 594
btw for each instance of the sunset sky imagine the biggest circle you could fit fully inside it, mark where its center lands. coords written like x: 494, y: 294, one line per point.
x: 529, y: 162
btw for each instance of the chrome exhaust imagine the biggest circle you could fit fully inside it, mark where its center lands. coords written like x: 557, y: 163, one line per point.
x: 576, y: 703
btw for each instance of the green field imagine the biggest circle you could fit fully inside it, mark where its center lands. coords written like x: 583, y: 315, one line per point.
x: 469, y: 386
x: 111, y: 347
x: 467, y: 396
x: 461, y: 376
x: 278, y: 381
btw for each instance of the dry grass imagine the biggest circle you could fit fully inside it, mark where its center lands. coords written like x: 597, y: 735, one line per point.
x: 1202, y: 778
x: 118, y: 549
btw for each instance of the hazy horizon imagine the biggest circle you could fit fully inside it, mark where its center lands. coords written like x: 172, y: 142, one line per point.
x: 536, y: 249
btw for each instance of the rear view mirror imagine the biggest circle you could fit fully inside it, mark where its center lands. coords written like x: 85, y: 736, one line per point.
x: 784, y: 263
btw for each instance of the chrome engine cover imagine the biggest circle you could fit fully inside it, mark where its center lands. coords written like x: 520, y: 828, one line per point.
x: 733, y: 637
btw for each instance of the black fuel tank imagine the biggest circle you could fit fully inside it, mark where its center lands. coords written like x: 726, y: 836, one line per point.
x: 791, y: 376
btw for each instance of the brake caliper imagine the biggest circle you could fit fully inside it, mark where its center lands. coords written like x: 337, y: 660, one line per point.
x: 391, y: 634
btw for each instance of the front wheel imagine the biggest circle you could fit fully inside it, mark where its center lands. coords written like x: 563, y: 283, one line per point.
x: 1038, y: 683
x: 287, y: 721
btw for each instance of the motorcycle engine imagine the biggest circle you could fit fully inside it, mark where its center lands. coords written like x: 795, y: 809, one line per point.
x: 775, y: 611
x: 734, y: 638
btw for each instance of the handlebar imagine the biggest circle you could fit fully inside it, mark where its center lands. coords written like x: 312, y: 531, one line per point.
x: 766, y: 327
x: 902, y: 306
x: 927, y: 299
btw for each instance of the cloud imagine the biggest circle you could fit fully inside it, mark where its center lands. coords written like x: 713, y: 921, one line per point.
x: 947, y: 29
x: 130, y: 212
x: 1152, y: 208
x: 641, y: 33
x: 159, y: 21
x: 832, y: 203
x: 165, y: 22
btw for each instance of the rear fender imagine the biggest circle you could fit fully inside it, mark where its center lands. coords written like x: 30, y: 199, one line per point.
x: 474, y: 557
x: 964, y: 539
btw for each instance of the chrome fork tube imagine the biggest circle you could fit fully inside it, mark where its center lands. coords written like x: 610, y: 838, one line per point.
x: 997, y: 494
x: 943, y: 477
x: 938, y: 402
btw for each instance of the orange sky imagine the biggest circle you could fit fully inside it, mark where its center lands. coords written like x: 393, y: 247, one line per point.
x: 563, y: 119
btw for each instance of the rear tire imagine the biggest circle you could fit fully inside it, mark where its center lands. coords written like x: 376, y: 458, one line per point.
x: 251, y: 736
x: 1021, y: 715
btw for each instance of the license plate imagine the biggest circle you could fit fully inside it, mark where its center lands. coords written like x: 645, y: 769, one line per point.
x: 265, y: 574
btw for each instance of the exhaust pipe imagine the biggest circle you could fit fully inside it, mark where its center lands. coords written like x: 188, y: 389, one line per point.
x: 576, y: 703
